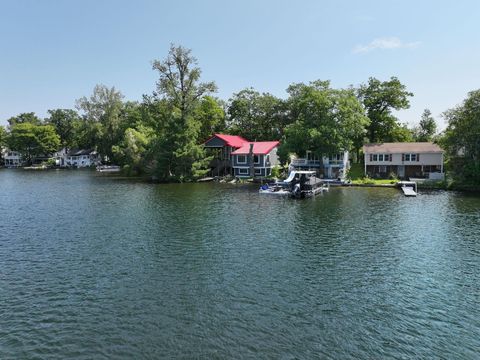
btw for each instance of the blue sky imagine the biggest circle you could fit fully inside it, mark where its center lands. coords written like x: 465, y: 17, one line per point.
x: 53, y: 52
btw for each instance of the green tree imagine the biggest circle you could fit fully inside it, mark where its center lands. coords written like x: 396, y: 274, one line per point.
x: 66, y: 122
x: 379, y: 99
x: 32, y: 140
x: 3, y: 141
x: 179, y: 80
x: 256, y: 116
x: 3, y: 136
x: 101, y: 112
x: 462, y: 138
x: 25, y: 118
x: 211, y: 116
x: 427, y: 127
x: 400, y: 133
x: 326, y: 120
x: 132, y: 149
x: 176, y: 150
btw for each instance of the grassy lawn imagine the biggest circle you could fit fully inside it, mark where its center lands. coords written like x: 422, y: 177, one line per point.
x: 356, y: 172
x: 374, y: 181
x: 356, y: 175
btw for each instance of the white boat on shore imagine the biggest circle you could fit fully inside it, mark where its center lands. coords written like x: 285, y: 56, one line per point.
x: 108, y: 168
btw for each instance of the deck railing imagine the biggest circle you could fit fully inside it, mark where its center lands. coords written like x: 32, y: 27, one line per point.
x: 305, y: 162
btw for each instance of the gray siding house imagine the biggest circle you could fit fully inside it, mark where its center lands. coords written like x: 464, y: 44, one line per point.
x: 255, y: 159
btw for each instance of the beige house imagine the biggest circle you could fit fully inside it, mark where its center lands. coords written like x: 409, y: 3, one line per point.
x: 405, y: 160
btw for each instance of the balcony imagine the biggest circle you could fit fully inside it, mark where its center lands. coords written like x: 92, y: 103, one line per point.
x: 306, y: 163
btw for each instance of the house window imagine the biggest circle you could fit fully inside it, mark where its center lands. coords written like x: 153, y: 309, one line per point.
x: 380, y: 157
x: 410, y: 157
x: 256, y: 159
x: 243, y: 171
x: 258, y: 171
x: 375, y: 157
x: 336, y: 157
x: 241, y: 159
x: 267, y: 159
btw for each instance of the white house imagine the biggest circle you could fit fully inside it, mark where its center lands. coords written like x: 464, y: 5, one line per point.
x: 12, y: 159
x: 330, y: 167
x: 405, y: 160
x: 80, y: 158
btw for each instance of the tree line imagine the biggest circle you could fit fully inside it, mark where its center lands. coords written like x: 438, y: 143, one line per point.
x: 162, y: 135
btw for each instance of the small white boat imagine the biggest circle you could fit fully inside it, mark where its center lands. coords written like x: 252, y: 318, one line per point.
x: 108, y: 168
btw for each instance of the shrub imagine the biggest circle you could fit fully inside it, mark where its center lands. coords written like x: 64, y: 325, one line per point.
x: 276, y: 172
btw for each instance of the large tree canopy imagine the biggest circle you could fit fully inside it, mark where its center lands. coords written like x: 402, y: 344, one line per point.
x: 177, y: 150
x: 379, y: 99
x: 179, y: 80
x: 256, y: 116
x: 101, y: 112
x: 32, y: 140
x: 25, y: 118
x: 3, y: 140
x: 462, y: 137
x: 65, y: 122
x: 326, y: 120
x: 210, y: 114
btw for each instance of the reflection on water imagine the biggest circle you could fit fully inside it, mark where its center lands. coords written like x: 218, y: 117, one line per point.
x: 98, y: 267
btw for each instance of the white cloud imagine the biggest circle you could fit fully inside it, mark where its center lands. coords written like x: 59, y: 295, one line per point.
x: 386, y: 43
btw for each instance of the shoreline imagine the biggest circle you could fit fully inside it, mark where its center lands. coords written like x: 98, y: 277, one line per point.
x: 473, y: 189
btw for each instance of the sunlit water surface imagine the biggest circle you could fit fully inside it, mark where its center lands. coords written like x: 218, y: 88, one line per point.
x: 95, y: 267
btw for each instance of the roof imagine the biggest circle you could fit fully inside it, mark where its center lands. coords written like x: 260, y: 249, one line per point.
x: 402, y: 147
x: 78, y: 152
x: 259, y: 147
x: 230, y: 140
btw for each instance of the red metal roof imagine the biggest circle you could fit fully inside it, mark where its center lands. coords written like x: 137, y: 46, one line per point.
x: 230, y: 140
x: 259, y: 147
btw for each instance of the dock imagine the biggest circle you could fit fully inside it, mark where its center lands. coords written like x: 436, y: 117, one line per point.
x: 409, y: 188
x: 408, y: 191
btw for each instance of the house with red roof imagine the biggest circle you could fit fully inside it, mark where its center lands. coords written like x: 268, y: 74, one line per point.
x: 221, y: 146
x: 241, y: 158
x: 255, y: 159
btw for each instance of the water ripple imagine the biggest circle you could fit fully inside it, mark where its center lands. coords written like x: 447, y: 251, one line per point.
x: 98, y: 267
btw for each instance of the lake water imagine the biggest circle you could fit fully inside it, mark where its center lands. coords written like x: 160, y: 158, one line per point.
x: 95, y: 267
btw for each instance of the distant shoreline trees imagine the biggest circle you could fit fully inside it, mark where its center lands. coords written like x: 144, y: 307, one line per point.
x: 162, y: 135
